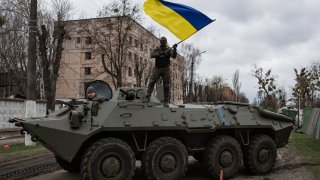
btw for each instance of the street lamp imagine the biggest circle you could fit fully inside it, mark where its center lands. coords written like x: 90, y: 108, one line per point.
x: 191, y: 78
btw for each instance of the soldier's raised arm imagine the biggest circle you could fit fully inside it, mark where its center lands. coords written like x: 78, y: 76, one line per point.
x: 173, y: 51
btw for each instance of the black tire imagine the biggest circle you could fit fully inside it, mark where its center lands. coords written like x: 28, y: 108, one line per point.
x: 261, y: 155
x: 223, y: 153
x: 73, y: 168
x: 198, y: 156
x: 108, y: 158
x: 165, y: 158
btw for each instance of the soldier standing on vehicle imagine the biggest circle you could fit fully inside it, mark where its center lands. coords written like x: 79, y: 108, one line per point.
x: 162, y: 56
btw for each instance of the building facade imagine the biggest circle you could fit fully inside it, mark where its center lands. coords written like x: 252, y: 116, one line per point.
x: 228, y: 94
x: 83, y: 57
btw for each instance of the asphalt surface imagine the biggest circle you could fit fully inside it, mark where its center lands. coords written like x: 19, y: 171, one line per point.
x: 42, y: 166
x: 287, y: 168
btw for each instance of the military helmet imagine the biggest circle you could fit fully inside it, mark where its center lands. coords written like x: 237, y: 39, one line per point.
x: 91, y: 90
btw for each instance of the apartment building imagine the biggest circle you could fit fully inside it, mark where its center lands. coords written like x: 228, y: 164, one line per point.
x: 82, y: 63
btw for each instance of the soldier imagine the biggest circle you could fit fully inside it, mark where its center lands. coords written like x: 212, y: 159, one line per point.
x: 93, y: 96
x: 162, y: 56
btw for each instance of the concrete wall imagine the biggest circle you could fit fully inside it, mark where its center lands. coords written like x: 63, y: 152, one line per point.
x: 10, y: 108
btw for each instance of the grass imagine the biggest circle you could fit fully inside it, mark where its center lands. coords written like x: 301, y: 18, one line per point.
x: 309, y: 148
x: 19, y: 149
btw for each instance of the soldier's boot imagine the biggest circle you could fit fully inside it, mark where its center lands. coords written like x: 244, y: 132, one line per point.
x: 166, y: 104
x: 146, y: 99
x: 166, y: 101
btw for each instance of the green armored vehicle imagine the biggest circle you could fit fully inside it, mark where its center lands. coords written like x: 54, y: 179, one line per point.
x: 105, y: 143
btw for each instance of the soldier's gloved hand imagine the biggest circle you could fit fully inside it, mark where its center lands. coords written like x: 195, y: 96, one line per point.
x: 175, y: 46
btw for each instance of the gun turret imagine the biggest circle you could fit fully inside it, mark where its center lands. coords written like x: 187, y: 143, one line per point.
x: 130, y: 94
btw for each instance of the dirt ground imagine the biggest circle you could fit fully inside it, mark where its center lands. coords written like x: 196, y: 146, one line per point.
x: 41, y: 165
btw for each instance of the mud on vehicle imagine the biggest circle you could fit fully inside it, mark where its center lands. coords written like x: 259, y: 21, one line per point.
x: 106, y: 145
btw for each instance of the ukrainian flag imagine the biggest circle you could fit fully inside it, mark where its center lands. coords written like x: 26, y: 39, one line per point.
x: 183, y: 21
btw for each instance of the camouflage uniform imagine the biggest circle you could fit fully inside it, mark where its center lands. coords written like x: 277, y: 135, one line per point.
x: 162, y: 68
x: 96, y: 100
x: 95, y: 104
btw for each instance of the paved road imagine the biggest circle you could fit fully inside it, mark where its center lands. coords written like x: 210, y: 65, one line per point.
x: 195, y: 172
x: 289, y: 166
x: 42, y: 165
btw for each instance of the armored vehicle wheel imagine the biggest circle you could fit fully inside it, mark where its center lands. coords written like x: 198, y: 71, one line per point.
x: 198, y: 156
x: 165, y: 158
x: 108, y: 158
x: 223, y: 153
x: 73, y: 168
x: 261, y: 155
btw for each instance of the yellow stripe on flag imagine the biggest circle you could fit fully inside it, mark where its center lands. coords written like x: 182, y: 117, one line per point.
x: 168, y: 18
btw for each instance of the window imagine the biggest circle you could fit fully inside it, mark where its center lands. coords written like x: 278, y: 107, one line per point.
x: 141, y: 47
x: 129, y: 71
x: 130, y: 56
x: 136, y: 42
x: 87, y: 55
x: 87, y: 70
x: 78, y: 40
x: 130, y: 40
x: 88, y: 40
x: 135, y: 57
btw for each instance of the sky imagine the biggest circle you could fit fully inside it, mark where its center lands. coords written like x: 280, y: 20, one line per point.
x: 273, y: 34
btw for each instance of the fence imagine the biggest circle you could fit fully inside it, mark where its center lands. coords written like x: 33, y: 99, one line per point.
x: 10, y: 108
x: 311, y: 122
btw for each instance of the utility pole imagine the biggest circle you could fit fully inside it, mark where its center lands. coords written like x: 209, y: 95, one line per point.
x: 31, y: 68
x: 191, y: 80
x: 32, y: 52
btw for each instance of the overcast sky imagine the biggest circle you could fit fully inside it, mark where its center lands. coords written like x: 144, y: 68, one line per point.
x: 277, y: 35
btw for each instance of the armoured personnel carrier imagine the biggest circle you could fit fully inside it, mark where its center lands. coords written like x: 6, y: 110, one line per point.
x: 106, y: 144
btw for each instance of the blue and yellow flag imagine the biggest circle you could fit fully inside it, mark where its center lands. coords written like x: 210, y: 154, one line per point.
x: 183, y: 21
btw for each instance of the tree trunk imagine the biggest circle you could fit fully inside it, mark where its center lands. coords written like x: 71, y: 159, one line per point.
x: 50, y: 77
x: 119, y: 79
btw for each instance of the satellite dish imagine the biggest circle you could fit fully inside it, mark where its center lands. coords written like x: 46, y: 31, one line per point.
x: 102, y: 89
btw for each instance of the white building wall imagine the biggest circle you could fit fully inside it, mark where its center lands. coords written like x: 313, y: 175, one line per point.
x: 11, y: 108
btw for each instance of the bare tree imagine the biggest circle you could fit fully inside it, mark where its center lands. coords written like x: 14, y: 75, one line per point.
x: 236, y: 85
x: 267, y: 87
x: 192, y: 59
x: 50, y: 49
x: 14, y: 41
x: 141, y: 65
x: 218, y: 83
x: 13, y: 46
x: 110, y: 35
x: 307, y: 85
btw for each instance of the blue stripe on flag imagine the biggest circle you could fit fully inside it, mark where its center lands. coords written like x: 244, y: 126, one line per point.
x: 193, y: 16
